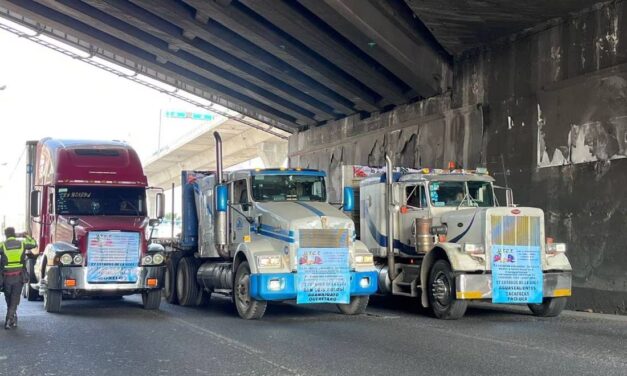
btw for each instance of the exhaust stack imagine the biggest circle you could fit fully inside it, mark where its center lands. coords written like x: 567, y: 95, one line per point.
x: 31, y: 150
x: 389, y: 179
x: 220, y: 194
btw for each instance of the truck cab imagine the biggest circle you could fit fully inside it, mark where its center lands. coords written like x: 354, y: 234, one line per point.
x: 266, y: 235
x: 90, y: 216
x: 452, y: 242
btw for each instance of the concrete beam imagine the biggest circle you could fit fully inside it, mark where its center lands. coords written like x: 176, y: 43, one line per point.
x: 102, y: 21
x: 258, y: 32
x: 340, y: 52
x: 149, y: 23
x: 224, y: 95
x: 227, y: 40
x: 383, y: 37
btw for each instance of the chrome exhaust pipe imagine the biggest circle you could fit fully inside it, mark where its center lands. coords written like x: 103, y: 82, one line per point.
x: 221, y: 222
x: 389, y: 179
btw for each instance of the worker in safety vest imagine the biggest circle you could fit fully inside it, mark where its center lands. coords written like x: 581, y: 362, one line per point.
x: 12, y: 260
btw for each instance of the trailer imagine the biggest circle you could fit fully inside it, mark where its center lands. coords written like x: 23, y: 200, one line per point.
x: 266, y: 235
x: 452, y: 243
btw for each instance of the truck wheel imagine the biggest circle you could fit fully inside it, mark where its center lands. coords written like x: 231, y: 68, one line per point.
x: 169, y: 284
x: 186, y: 286
x: 550, y: 307
x: 247, y: 307
x: 357, y: 306
x: 441, y: 292
x: 151, y: 299
x: 28, y: 292
x: 52, y: 301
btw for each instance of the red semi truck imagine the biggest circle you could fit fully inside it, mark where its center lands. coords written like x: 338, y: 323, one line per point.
x: 88, y: 212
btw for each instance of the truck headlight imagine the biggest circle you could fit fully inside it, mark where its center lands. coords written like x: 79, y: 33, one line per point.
x: 66, y: 259
x: 157, y: 258
x: 363, y: 259
x: 364, y: 282
x: 78, y: 259
x: 554, y: 248
x: 276, y: 284
x: 147, y: 260
x: 273, y: 261
x: 473, y: 249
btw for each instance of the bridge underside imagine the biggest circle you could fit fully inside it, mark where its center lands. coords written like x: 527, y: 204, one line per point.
x: 534, y: 90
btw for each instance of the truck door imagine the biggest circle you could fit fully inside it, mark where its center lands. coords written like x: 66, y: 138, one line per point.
x: 240, y: 227
x: 417, y: 207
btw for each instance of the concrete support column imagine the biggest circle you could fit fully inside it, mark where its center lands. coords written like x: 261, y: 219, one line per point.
x: 272, y: 153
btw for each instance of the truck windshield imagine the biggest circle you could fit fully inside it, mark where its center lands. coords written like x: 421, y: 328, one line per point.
x: 289, y: 188
x: 452, y: 193
x: 123, y: 201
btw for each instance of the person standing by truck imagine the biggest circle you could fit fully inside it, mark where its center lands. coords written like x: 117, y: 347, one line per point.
x: 12, y: 260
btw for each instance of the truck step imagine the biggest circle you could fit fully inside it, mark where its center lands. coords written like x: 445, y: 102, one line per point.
x: 404, y: 288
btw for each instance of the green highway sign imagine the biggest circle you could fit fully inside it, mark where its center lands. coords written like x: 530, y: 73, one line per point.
x: 189, y: 115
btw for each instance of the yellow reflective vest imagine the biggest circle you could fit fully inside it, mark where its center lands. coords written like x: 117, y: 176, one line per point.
x: 14, y: 251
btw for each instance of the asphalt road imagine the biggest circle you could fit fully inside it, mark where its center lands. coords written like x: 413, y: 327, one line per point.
x: 100, y: 337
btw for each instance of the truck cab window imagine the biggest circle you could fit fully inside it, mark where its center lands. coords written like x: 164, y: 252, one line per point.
x: 481, y: 193
x: 295, y: 187
x: 456, y: 193
x: 416, y: 197
x: 93, y: 200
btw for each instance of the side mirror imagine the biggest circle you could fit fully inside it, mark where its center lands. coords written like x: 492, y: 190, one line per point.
x: 160, y: 205
x: 154, y: 222
x: 509, y: 197
x: 396, y: 199
x: 35, y: 200
x: 73, y: 221
x: 349, y: 199
x: 245, y: 206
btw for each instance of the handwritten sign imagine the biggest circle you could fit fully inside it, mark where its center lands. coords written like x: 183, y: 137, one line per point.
x: 112, y: 257
x: 516, y: 274
x: 323, y: 276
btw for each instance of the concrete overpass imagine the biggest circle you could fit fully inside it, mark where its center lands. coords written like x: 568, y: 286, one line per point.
x: 535, y: 90
x: 197, y: 151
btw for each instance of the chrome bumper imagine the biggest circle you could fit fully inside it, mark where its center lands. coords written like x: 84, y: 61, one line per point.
x: 57, y: 275
x: 479, y: 286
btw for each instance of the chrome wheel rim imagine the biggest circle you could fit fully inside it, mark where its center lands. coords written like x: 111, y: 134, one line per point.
x: 441, y: 289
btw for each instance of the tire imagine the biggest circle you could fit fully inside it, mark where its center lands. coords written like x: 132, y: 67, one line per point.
x: 28, y: 292
x: 357, y: 306
x: 187, y: 289
x: 52, y: 301
x: 550, y: 307
x: 247, y: 307
x: 151, y: 299
x: 441, y: 292
x: 169, y: 280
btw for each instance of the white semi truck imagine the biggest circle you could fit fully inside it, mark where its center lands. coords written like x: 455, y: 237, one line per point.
x: 452, y: 243
x: 266, y: 235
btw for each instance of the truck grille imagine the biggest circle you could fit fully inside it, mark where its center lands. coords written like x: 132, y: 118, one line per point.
x: 112, y: 256
x: 515, y: 230
x: 323, y: 238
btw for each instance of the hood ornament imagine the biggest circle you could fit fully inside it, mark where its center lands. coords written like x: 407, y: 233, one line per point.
x: 324, y: 221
